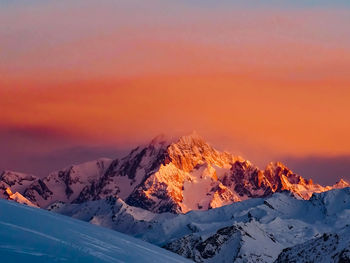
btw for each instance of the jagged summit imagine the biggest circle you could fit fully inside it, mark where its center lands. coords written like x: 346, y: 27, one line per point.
x: 193, y: 138
x: 165, y: 176
x: 186, y: 141
x: 160, y: 140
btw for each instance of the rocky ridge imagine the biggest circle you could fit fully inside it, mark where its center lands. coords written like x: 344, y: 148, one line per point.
x: 164, y: 176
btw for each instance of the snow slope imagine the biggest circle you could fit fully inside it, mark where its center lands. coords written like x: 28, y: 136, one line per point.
x: 329, y: 248
x: 258, y: 229
x: 112, y: 213
x: 33, y: 235
x: 254, y: 230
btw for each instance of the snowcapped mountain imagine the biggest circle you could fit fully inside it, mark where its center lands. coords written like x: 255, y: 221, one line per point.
x: 35, y: 235
x: 17, y: 182
x: 254, y: 230
x: 186, y: 196
x: 112, y: 213
x: 67, y: 185
x: 330, y: 247
x: 164, y: 176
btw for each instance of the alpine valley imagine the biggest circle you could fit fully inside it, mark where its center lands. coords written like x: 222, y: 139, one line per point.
x: 203, y: 204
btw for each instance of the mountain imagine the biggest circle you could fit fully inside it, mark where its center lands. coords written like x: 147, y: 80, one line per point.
x: 254, y: 230
x: 112, y: 213
x: 330, y: 247
x: 67, y: 185
x: 35, y: 235
x: 17, y: 182
x: 17, y: 197
x: 334, y: 244
x: 196, y: 201
x: 165, y: 176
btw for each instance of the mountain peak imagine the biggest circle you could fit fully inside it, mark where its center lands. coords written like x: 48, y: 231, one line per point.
x: 189, y: 139
x: 274, y: 165
x: 160, y: 139
x: 193, y: 137
x: 341, y: 184
x: 165, y: 176
x: 193, y: 140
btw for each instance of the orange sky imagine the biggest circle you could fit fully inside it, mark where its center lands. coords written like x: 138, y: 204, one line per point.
x: 263, y: 82
x: 286, y: 117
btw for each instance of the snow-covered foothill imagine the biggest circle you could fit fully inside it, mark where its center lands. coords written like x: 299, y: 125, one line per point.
x: 254, y: 230
x: 34, y: 235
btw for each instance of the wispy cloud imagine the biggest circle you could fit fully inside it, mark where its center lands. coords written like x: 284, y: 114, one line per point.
x: 272, y: 75
x: 323, y: 169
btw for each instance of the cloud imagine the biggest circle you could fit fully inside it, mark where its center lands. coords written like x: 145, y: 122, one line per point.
x: 44, y: 163
x: 33, y: 132
x: 324, y: 170
x: 40, y: 150
x: 43, y: 149
x: 118, y: 38
x: 41, y: 163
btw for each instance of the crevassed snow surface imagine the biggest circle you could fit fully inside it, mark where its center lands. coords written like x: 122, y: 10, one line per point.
x: 33, y: 235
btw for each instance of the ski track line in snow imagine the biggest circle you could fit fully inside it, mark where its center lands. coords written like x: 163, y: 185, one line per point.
x: 86, y: 249
x: 35, y: 232
x: 22, y: 251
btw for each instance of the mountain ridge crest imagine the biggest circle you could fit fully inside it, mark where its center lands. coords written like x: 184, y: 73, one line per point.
x: 165, y: 176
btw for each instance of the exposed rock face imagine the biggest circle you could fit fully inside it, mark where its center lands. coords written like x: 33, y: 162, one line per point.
x: 15, y: 182
x: 163, y: 176
x: 199, y: 250
x: 67, y: 185
x: 194, y: 176
x: 38, y: 188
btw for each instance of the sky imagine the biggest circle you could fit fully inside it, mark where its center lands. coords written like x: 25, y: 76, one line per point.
x: 268, y: 80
